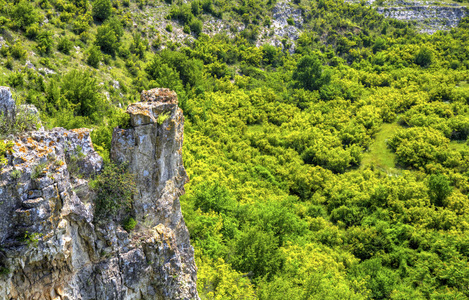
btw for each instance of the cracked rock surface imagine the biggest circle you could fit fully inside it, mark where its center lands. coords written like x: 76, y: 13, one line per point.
x: 51, y: 247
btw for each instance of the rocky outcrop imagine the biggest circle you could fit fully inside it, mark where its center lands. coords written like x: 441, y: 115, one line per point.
x: 429, y: 18
x: 51, y: 245
x: 7, y: 104
x: 281, y: 30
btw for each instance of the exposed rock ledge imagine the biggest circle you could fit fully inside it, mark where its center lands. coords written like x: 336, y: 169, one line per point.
x: 66, y: 254
x: 429, y: 17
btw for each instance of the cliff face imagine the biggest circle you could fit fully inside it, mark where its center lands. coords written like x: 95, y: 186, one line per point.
x: 429, y: 18
x: 51, y: 247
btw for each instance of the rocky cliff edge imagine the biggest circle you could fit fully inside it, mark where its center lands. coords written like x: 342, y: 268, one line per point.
x: 52, y: 247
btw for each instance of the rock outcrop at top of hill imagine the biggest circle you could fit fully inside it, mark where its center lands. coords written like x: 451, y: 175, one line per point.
x: 51, y: 246
x: 429, y: 18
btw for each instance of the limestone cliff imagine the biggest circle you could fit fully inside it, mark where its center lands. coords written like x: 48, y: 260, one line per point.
x: 51, y: 246
x: 429, y: 18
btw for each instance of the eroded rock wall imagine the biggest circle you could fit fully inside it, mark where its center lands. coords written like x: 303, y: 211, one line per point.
x: 51, y: 247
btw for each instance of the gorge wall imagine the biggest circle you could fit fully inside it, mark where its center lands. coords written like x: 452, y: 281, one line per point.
x: 52, y: 247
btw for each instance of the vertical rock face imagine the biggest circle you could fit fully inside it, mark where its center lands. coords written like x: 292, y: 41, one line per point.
x: 153, y: 149
x: 7, y: 104
x: 50, y: 245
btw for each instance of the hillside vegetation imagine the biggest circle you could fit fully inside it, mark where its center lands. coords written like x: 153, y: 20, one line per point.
x: 340, y: 171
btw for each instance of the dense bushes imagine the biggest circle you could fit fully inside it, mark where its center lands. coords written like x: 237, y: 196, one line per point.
x: 335, y: 172
x: 114, y: 188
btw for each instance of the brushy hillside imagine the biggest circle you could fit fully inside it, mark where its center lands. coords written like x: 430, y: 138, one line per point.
x: 339, y: 171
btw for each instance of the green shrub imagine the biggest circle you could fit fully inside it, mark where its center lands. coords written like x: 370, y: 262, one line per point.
x: 15, y: 174
x: 44, y: 42
x: 114, y: 188
x: 108, y: 36
x: 16, y: 79
x: 94, y: 56
x: 196, y: 26
x: 169, y: 28
x: 139, y: 45
x: 439, y: 188
x: 424, y: 57
x: 5, y: 147
x: 290, y: 21
x: 80, y: 88
x: 129, y: 224
x: 38, y: 170
x: 102, y: 9
x: 32, y: 31
x: 309, y: 74
x: 17, y: 51
x: 25, y: 14
x: 4, y: 271
x: 64, y: 45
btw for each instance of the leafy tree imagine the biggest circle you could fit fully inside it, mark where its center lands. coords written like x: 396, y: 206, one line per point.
x: 25, y: 14
x: 215, y: 197
x: 102, y: 9
x: 64, y: 45
x: 80, y: 88
x: 424, y: 57
x: 257, y: 253
x: 109, y: 35
x: 196, y: 26
x: 439, y: 189
x: 94, y: 56
x: 309, y: 73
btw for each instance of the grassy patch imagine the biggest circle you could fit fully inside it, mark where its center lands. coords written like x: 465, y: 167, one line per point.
x: 378, y: 154
x: 458, y: 145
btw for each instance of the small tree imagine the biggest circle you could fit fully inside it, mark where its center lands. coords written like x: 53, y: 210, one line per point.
x: 114, y: 188
x: 94, y: 57
x: 81, y: 89
x: 439, y: 189
x: 309, y: 74
x: 424, y: 57
x: 102, y: 9
x: 25, y: 14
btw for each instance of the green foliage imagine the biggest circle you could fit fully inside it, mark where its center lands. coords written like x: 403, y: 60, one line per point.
x: 44, y: 42
x: 162, y: 117
x: 439, y: 189
x: 196, y: 26
x: 94, y: 56
x: 309, y: 73
x: 25, y: 14
x: 32, y: 239
x: 129, y: 224
x: 39, y: 170
x: 348, y: 182
x: 109, y: 35
x: 64, y: 45
x: 424, y: 57
x: 4, y: 271
x: 102, y: 9
x: 18, y: 51
x: 257, y: 251
x: 80, y: 89
x: 5, y: 148
x: 114, y: 188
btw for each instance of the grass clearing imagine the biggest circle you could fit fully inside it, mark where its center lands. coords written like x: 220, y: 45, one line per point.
x: 378, y: 154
